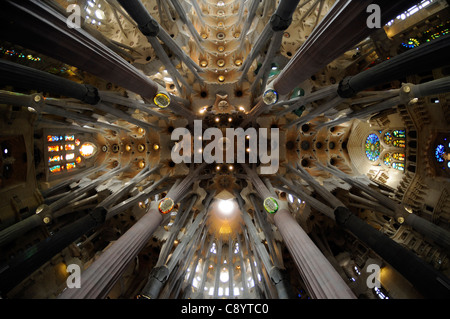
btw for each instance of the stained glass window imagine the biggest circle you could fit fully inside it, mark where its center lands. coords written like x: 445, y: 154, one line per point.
x: 387, y: 138
x: 54, y: 159
x: 67, y: 151
x: 439, y: 153
x: 399, y: 143
x: 399, y: 133
x: 55, y: 169
x: 387, y: 159
x: 399, y: 166
x: 54, y: 148
x: 372, y: 147
x: 399, y: 156
x: 54, y: 138
x: 70, y: 166
x: 70, y: 147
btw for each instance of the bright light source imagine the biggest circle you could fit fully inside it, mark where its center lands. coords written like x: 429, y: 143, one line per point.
x: 100, y: 14
x: 224, y: 276
x: 226, y: 206
x: 291, y: 198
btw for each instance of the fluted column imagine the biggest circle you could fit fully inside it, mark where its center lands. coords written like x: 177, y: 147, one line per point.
x: 44, y: 213
x: 344, y: 26
x: 20, y: 228
x: 407, y: 93
x: 420, y: 59
x: 438, y: 234
x: 38, y: 26
x: 24, y: 264
x: 428, y: 281
x: 321, y: 278
x: 25, y: 77
x: 100, y: 277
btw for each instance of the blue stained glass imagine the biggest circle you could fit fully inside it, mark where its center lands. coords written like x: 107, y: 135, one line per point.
x: 439, y: 153
x: 372, y: 147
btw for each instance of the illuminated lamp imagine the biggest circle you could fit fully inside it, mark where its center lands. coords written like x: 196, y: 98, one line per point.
x: 166, y: 205
x: 162, y: 100
x: 270, y: 97
x: 87, y: 150
x: 271, y: 205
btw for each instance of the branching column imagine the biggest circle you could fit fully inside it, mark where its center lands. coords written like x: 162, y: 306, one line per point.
x: 319, y: 275
x: 40, y: 27
x: 321, y: 278
x: 100, y: 277
x: 344, y: 26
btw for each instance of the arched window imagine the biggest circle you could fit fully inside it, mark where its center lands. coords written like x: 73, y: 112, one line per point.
x: 66, y: 152
x: 388, y: 138
x: 387, y: 159
x: 399, y: 156
x: 373, y: 147
x: 439, y: 153
x: 399, y: 166
x: 395, y: 138
x: 399, y: 134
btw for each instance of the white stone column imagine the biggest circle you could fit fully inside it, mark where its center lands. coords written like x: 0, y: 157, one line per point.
x: 101, y: 276
x: 321, y: 278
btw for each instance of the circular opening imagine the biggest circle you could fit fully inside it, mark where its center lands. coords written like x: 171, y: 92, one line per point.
x: 289, y: 53
x: 305, y: 162
x: 203, y: 94
x: 220, y: 35
x: 319, y: 145
x: 239, y: 93
x: 305, y: 128
x: 305, y: 145
x: 332, y: 145
x: 171, y: 164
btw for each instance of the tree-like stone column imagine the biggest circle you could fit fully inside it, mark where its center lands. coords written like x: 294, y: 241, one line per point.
x: 320, y: 277
x: 100, y: 277
x: 322, y: 280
